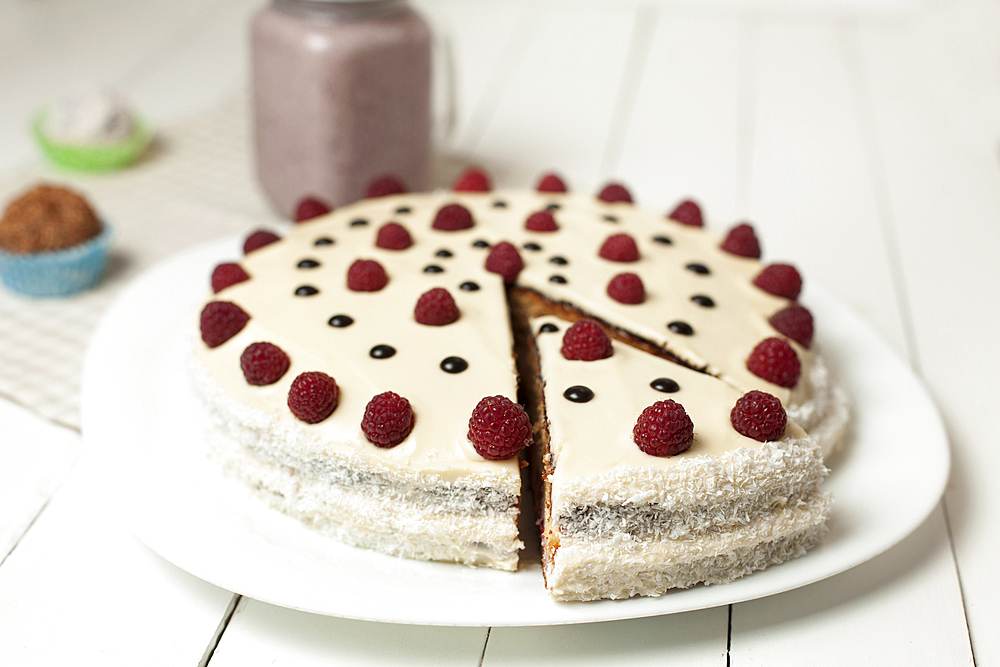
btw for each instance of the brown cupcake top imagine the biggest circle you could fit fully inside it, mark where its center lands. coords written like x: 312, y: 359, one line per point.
x: 47, y: 217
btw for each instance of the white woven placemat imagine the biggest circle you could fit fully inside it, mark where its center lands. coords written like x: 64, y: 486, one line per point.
x: 196, y: 183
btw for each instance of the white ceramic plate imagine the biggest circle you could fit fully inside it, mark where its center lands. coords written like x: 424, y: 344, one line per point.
x: 137, y: 407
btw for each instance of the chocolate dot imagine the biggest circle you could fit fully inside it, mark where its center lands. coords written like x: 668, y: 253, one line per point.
x: 666, y: 385
x: 308, y: 264
x: 382, y: 352
x: 323, y: 240
x: 433, y: 268
x: 532, y: 246
x: 360, y: 222
x: 305, y: 290
x: 698, y: 268
x: 480, y: 243
x: 579, y: 394
x: 681, y: 328
x: 557, y: 279
x: 341, y: 321
x: 454, y: 364
x: 499, y: 203
x: 553, y: 207
x: 610, y: 218
x: 469, y: 286
x: 403, y: 210
x: 704, y: 301
x: 444, y: 252
x: 561, y: 261
x: 665, y: 240
x: 548, y: 327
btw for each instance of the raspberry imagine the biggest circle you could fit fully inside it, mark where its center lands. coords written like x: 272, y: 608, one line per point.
x: 263, y: 363
x: 472, y: 179
x: 619, y: 248
x: 310, y: 208
x: 551, y: 183
x: 687, y: 213
x: 795, y: 322
x: 259, y: 239
x: 220, y: 321
x: 742, y: 241
x: 615, y: 192
x: 759, y: 415
x: 541, y: 221
x: 436, y: 308
x: 388, y: 420
x: 780, y: 280
x: 384, y: 186
x: 663, y: 429
x: 452, y: 217
x: 585, y: 340
x: 313, y: 396
x: 499, y: 428
x: 226, y: 275
x: 775, y: 361
x: 366, y: 275
x: 505, y: 260
x: 627, y: 288
x: 393, y: 236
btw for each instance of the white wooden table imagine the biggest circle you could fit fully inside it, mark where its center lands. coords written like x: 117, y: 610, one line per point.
x: 863, y: 142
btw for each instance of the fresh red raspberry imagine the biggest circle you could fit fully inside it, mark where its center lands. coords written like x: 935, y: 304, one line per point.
x: 259, y: 239
x: 505, y: 260
x: 227, y: 274
x: 780, y: 280
x: 499, y: 428
x: 309, y: 208
x: 263, y: 363
x: 388, y: 420
x: 393, y: 236
x: 473, y: 179
x: 541, y: 221
x: 663, y: 429
x: 551, y: 182
x: 452, y: 217
x: 759, y: 415
x: 620, y: 248
x: 366, y: 275
x: 615, y: 192
x: 775, y: 361
x: 385, y: 185
x: 742, y: 241
x: 688, y: 213
x: 436, y: 308
x: 220, y: 321
x: 585, y: 340
x: 313, y: 396
x: 627, y: 288
x: 795, y: 322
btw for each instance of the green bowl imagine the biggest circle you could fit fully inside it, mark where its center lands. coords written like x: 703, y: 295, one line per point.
x: 93, y: 157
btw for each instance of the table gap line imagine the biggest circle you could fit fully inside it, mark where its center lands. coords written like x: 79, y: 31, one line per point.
x: 213, y: 643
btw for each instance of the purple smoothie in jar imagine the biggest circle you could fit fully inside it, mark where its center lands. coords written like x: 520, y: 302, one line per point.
x: 342, y: 95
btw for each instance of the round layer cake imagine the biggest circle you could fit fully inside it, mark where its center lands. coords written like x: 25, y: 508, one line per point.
x: 363, y: 375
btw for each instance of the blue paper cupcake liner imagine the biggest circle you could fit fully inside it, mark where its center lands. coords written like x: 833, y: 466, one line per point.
x: 57, y: 272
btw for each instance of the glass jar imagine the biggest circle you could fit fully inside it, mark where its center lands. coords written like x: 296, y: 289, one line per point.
x: 341, y: 96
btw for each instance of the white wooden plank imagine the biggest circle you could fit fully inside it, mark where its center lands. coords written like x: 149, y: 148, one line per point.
x: 692, y: 639
x: 79, y: 588
x: 262, y: 634
x: 937, y: 111
x: 897, y: 609
x: 35, y: 457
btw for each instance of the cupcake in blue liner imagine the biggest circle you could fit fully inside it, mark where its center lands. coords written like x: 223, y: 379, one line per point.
x: 52, y: 243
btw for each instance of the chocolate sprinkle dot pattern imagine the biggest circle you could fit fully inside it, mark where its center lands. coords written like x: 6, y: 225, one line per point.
x: 360, y: 222
x: 681, y: 328
x: 307, y: 264
x: 499, y: 203
x: 559, y: 260
x: 610, y: 218
x: 548, y: 327
x: 382, y: 352
x: 323, y: 240
x: 306, y: 290
x: 402, y: 210
x: 553, y: 207
x: 666, y: 385
x: 341, y: 321
x: 532, y: 246
x: 579, y: 394
x: 433, y: 268
x: 480, y: 243
x: 663, y: 240
x: 557, y: 279
x: 703, y: 301
x: 700, y: 269
x: 444, y: 252
x: 469, y: 286
x: 454, y: 364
